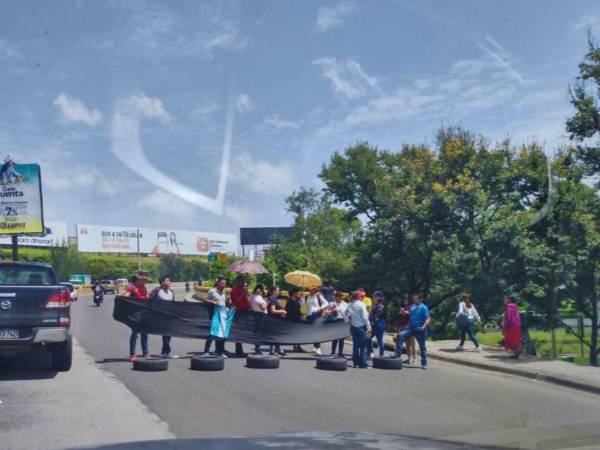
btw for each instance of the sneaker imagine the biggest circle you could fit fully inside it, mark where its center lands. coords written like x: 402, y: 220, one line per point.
x: 371, y: 355
x: 317, y: 351
x: 423, y: 367
x: 224, y: 356
x: 174, y: 356
x: 164, y: 355
x: 341, y: 355
x: 413, y: 361
x: 478, y: 348
x: 205, y: 355
x: 132, y: 358
x: 459, y: 348
x: 147, y: 356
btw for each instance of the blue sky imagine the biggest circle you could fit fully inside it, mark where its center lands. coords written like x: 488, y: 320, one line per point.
x: 126, y: 103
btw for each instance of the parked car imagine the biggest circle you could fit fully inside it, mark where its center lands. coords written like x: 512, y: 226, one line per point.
x: 34, y: 312
x: 71, y: 289
x: 108, y: 286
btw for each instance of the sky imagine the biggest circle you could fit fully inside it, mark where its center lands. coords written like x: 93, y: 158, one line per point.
x: 206, y: 115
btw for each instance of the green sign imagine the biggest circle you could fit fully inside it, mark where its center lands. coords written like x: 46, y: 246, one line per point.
x: 212, y: 257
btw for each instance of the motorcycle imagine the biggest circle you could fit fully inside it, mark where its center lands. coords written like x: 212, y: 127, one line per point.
x: 98, y: 298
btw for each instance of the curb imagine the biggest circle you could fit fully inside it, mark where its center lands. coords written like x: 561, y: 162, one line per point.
x: 538, y: 376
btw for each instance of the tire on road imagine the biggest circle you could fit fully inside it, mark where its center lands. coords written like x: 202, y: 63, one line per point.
x: 210, y: 363
x: 262, y: 362
x: 387, y: 363
x: 62, y: 356
x: 338, y: 363
x: 151, y: 365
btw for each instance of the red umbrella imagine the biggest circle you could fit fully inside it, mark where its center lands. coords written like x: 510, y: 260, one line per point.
x: 246, y: 266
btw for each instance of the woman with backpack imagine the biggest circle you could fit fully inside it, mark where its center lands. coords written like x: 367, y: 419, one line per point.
x: 466, y: 316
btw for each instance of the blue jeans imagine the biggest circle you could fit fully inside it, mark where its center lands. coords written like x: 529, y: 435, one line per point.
x: 468, y: 330
x: 378, y: 331
x: 133, y: 342
x: 419, y: 335
x: 359, y: 346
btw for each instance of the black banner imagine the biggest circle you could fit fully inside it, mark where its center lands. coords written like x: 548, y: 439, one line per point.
x: 193, y: 320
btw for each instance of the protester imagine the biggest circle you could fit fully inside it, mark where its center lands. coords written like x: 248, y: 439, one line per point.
x: 368, y: 301
x: 337, y: 311
x: 293, y: 311
x: 164, y: 292
x: 418, y: 323
x: 378, y: 319
x: 360, y: 328
x: 315, y: 306
x: 511, y: 326
x: 137, y: 289
x: 403, y: 324
x: 327, y: 290
x: 275, y: 309
x: 217, y: 297
x: 258, y: 304
x: 466, y: 317
x: 240, y: 301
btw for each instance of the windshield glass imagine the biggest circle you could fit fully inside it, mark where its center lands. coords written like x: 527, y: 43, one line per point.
x: 26, y: 276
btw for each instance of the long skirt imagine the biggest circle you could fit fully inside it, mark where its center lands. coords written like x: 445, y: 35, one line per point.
x: 512, y: 339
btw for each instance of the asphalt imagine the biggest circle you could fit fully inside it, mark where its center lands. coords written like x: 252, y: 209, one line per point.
x: 444, y: 404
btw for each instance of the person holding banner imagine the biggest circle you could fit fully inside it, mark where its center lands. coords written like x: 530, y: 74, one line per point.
x: 137, y: 289
x: 217, y: 298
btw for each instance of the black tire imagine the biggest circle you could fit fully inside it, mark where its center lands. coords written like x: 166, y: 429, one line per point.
x: 262, y: 362
x: 336, y: 363
x: 387, y: 363
x: 210, y: 363
x: 62, y: 356
x: 151, y: 365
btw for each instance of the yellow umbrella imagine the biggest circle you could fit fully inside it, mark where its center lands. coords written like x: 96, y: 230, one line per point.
x: 303, y: 279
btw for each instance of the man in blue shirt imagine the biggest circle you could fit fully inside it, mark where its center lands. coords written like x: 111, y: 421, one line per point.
x: 419, y: 321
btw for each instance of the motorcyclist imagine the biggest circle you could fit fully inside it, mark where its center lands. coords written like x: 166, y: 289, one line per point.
x: 98, y: 293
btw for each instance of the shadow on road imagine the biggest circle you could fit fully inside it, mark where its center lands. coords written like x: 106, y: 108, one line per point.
x: 26, y: 367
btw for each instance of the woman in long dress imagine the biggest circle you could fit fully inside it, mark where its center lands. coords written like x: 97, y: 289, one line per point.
x: 512, y: 327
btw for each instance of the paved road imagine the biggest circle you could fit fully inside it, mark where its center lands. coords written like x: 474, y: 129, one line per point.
x: 445, y: 402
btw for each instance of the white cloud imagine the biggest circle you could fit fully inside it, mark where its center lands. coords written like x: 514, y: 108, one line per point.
x: 243, y: 103
x: 163, y: 202
x: 240, y: 214
x: 347, y: 77
x: 332, y: 17
x: 73, y: 110
x: 149, y: 107
x: 275, y: 124
x: 262, y: 176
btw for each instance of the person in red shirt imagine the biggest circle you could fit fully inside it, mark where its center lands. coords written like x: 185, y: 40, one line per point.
x: 137, y: 289
x: 240, y: 301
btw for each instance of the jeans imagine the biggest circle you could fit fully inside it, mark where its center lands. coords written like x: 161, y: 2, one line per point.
x: 339, y: 345
x: 359, y: 346
x: 420, y: 336
x: 219, y: 345
x: 239, y: 348
x: 133, y: 342
x: 274, y: 348
x: 468, y: 330
x: 378, y: 331
x: 166, y: 345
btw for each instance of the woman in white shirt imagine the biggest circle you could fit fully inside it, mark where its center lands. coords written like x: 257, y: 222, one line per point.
x: 316, y: 305
x: 258, y: 304
x: 466, y: 316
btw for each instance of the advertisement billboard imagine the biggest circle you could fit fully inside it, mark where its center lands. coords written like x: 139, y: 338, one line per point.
x: 55, y: 236
x: 105, y: 239
x: 264, y: 235
x: 21, y: 209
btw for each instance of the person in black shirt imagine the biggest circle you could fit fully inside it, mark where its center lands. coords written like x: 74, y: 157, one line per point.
x: 378, y: 319
x: 292, y: 309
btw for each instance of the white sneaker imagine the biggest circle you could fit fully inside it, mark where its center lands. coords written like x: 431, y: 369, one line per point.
x: 413, y: 361
x: 478, y: 349
x: 459, y: 348
x: 164, y: 355
x: 371, y: 355
x: 205, y: 355
x: 317, y: 351
x: 174, y: 356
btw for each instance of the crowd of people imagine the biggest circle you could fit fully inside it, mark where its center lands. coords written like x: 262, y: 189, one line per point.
x: 368, y: 319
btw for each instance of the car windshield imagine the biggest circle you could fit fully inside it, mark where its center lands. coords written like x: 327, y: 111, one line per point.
x: 26, y: 276
x: 303, y: 224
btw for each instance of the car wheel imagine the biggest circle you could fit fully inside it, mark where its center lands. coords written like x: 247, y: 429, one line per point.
x: 211, y: 363
x: 151, y: 365
x: 387, y: 363
x: 337, y: 363
x: 262, y: 362
x: 62, y: 356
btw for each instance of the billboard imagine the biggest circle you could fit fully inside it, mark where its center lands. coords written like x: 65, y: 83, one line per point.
x: 105, y: 239
x: 21, y: 209
x: 264, y: 235
x: 55, y: 236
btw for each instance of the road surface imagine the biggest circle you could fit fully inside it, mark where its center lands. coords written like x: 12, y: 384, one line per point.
x: 445, y: 403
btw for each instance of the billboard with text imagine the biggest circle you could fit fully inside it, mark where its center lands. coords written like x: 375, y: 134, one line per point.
x: 55, y: 236
x: 107, y: 239
x: 21, y: 210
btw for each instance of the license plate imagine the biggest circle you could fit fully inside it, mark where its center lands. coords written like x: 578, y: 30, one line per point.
x: 9, y: 333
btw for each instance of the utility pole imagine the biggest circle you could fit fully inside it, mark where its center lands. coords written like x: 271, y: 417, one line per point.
x: 15, y: 247
x: 137, y: 235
